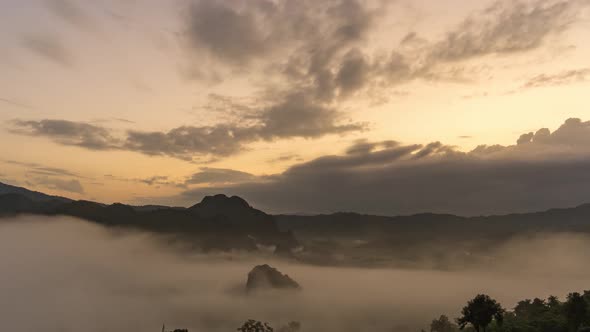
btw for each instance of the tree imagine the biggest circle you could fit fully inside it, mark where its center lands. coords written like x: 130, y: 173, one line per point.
x: 537, y: 315
x: 528, y: 309
x: 576, y: 309
x: 480, y: 312
x: 553, y: 302
x: 255, y: 326
x: 443, y: 324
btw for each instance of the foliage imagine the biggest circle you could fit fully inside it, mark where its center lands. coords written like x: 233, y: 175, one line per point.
x: 537, y: 315
x: 255, y: 326
x: 443, y: 324
x: 480, y: 312
x: 576, y: 310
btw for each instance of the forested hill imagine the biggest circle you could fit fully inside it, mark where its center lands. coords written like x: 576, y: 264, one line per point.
x: 229, y: 223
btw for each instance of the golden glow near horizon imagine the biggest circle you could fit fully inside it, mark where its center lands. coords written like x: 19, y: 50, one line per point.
x: 125, y: 66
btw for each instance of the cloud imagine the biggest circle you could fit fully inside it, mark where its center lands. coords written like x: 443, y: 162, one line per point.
x: 15, y: 103
x: 156, y: 180
x: 237, y: 33
x: 68, y: 133
x: 51, y: 171
x: 353, y: 72
x: 49, y: 177
x: 573, y: 136
x: 285, y: 158
x: 184, y: 142
x: 70, y: 12
x: 209, y: 175
x: 302, y: 43
x: 72, y: 185
x: 116, y: 120
x: 292, y: 116
x: 226, y: 32
x: 297, y: 116
x: 545, y: 169
x: 562, y: 78
x: 363, y: 146
x: 319, y: 48
x: 89, y: 268
x: 49, y: 47
x: 314, y: 57
x: 41, y: 169
x: 505, y: 27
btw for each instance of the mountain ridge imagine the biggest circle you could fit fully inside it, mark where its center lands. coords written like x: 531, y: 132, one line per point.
x: 31, y: 194
x: 216, y: 223
x: 227, y: 223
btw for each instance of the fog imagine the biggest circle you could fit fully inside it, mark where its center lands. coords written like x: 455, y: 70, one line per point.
x: 63, y: 274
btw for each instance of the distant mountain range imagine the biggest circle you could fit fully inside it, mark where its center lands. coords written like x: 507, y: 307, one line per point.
x: 216, y: 223
x: 230, y: 223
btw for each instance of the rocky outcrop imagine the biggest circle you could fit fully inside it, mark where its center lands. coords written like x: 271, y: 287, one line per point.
x: 265, y: 277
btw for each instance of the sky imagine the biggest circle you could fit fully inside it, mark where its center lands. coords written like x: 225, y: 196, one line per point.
x: 300, y: 106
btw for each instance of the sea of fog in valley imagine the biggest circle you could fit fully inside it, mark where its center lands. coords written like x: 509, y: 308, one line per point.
x: 62, y: 274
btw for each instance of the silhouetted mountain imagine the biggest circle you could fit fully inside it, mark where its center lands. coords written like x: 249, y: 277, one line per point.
x: 226, y: 223
x: 32, y: 195
x: 264, y: 277
x: 16, y: 203
x: 236, y: 212
x: 213, y: 205
x: 150, y: 208
x: 217, y: 223
x: 355, y: 239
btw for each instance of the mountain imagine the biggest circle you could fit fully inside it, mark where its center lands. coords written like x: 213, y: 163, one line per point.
x: 236, y: 211
x: 443, y: 240
x: 32, y: 195
x: 216, y: 223
x: 229, y: 223
x: 16, y: 203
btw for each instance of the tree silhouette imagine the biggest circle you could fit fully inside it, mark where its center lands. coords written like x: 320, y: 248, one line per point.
x: 553, y: 301
x: 576, y: 309
x: 443, y: 324
x: 480, y: 312
x: 255, y: 326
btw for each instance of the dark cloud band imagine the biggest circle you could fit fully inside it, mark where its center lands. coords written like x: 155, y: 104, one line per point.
x: 544, y: 169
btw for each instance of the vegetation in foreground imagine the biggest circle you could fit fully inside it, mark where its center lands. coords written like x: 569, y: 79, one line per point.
x: 484, y: 314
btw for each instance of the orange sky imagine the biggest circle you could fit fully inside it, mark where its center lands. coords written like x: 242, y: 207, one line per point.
x: 154, y: 66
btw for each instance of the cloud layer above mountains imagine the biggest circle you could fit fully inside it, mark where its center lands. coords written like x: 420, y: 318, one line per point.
x: 544, y: 169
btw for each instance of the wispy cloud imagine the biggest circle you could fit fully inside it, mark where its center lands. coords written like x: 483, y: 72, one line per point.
x: 41, y: 169
x: 49, y: 47
x: 68, y: 133
x: 71, y: 12
x: 561, y: 78
x: 15, y: 103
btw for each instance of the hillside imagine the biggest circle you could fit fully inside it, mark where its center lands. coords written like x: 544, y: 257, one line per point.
x: 230, y: 223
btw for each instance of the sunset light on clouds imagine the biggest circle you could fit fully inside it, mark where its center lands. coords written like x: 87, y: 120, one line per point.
x: 376, y: 106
